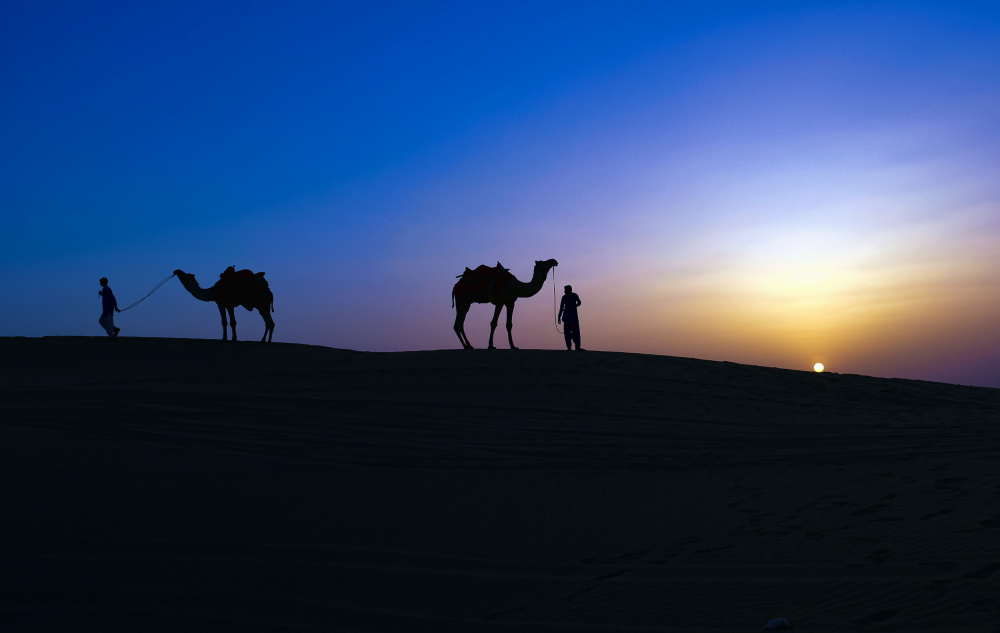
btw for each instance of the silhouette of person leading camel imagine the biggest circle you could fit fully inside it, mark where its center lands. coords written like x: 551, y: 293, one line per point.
x: 109, y: 305
x: 569, y: 318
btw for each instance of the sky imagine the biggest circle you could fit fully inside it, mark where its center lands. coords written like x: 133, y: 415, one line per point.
x: 771, y: 183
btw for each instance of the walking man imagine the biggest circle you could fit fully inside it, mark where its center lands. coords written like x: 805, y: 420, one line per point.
x: 110, y: 306
x: 569, y: 318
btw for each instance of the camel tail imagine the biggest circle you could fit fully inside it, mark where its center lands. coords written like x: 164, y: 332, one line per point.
x: 453, y: 298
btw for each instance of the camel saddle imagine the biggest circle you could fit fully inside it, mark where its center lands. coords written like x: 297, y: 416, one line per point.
x: 481, y: 281
x: 246, y: 275
x: 246, y: 278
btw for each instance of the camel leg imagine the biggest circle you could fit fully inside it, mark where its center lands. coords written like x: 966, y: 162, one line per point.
x: 225, y: 324
x: 268, y: 325
x: 232, y: 321
x: 493, y: 323
x: 462, y: 309
x: 510, y: 324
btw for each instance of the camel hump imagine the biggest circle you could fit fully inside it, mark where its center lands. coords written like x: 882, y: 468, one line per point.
x: 485, y: 272
x: 244, y: 276
x: 246, y: 273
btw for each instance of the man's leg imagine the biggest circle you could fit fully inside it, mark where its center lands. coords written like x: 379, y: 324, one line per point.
x: 572, y: 331
x: 108, y: 321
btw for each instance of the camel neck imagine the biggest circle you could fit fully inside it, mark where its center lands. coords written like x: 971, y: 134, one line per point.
x: 532, y: 287
x: 191, y: 285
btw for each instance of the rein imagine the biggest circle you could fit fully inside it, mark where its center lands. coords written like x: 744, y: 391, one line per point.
x: 555, y: 311
x: 150, y: 292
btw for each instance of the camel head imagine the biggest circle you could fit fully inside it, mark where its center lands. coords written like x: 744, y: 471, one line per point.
x: 186, y: 278
x: 547, y: 265
x: 191, y: 285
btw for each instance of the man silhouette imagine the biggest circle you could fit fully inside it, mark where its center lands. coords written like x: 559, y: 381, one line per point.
x: 569, y: 318
x: 110, y: 306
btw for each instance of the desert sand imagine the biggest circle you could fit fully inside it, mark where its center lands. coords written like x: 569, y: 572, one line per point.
x: 195, y: 485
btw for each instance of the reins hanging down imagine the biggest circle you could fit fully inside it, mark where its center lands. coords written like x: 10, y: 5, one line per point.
x: 147, y: 295
x: 555, y: 312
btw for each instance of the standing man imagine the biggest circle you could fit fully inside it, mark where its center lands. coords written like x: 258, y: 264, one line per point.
x: 569, y: 318
x: 110, y: 305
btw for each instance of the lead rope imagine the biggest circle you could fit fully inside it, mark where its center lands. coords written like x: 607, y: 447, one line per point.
x: 150, y: 292
x: 555, y: 312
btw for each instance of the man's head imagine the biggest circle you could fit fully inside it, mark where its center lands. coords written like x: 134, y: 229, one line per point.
x: 568, y: 289
x: 104, y: 281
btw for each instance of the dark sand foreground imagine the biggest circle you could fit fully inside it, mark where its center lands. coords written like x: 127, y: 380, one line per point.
x: 181, y: 485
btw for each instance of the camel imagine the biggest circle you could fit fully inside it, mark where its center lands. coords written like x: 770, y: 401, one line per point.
x: 497, y: 286
x: 235, y: 288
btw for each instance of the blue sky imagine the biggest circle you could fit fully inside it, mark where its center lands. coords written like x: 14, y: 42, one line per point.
x: 767, y: 183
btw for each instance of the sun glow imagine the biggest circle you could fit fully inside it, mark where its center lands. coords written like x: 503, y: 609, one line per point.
x: 818, y: 367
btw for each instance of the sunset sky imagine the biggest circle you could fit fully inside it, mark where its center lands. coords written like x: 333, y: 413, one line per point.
x: 766, y: 183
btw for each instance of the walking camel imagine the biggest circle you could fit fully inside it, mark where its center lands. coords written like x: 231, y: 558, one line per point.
x: 499, y: 287
x: 235, y: 288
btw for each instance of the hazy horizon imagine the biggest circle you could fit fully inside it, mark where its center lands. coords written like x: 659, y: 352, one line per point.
x: 774, y: 184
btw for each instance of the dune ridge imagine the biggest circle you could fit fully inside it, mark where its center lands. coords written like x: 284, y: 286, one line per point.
x: 167, y: 485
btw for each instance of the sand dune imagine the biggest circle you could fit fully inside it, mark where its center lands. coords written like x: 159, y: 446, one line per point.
x: 181, y: 485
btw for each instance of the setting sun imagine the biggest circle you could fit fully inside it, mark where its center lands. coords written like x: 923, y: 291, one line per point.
x: 818, y: 367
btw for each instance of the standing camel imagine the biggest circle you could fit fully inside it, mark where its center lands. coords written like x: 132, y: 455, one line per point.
x: 235, y: 288
x: 496, y: 286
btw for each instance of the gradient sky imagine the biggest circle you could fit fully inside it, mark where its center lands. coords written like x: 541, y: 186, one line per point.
x: 766, y: 183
